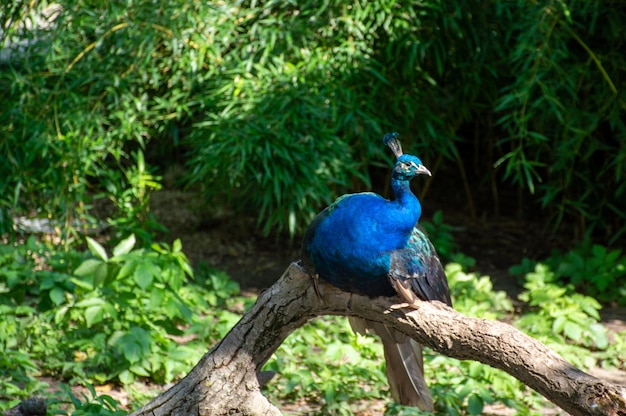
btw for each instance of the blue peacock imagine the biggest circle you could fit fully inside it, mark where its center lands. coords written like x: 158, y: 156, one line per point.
x: 366, y: 244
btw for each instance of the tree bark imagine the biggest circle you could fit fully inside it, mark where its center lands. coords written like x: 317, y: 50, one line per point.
x: 225, y: 381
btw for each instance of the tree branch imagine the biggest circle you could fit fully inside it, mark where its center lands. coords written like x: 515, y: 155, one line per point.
x: 225, y: 379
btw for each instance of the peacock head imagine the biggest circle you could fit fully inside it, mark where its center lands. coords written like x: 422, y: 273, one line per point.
x: 407, y: 166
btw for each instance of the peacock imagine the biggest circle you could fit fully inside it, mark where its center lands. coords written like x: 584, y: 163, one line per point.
x: 366, y: 244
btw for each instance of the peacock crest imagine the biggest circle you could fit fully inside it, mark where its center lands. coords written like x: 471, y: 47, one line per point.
x: 391, y: 140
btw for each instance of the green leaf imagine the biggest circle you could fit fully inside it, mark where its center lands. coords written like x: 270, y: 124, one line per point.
x: 131, y: 350
x: 598, y: 251
x: 47, y: 282
x: 613, y: 256
x: 475, y: 405
x: 110, y: 310
x: 127, y: 269
x: 156, y: 297
x: 184, y: 264
x: 85, y: 283
x: 57, y: 295
x: 85, y: 303
x: 591, y: 307
x: 143, y: 276
x: 113, y: 270
x: 558, y: 324
x: 125, y: 246
x: 173, y: 308
x: 100, y: 274
x: 96, y: 249
x: 573, y: 331
x: 177, y: 246
x: 126, y: 377
x: 93, y: 315
x: 87, y: 268
x: 59, y: 315
x: 139, y: 370
x: 600, y: 337
x: 475, y: 369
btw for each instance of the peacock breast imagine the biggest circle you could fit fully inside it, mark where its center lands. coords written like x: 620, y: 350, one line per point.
x: 351, y: 246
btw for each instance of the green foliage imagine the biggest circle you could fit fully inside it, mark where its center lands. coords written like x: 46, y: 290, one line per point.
x: 567, y: 321
x: 474, y: 296
x: 591, y: 268
x: 221, y: 288
x: 562, y: 112
x: 123, y: 310
x: 615, y: 355
x: 74, y: 114
x: 13, y: 262
x: 389, y: 65
x: 325, y: 363
x: 466, y: 387
x: 92, y: 404
x: 595, y: 270
x: 305, y: 98
x: 107, y: 316
x: 18, y: 369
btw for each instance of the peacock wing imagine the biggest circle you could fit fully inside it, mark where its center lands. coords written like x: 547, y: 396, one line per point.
x: 416, y: 272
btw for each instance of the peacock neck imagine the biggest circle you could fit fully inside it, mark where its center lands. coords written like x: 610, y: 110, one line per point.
x: 406, y: 200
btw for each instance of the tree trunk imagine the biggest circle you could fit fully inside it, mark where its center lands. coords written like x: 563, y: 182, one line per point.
x: 225, y: 381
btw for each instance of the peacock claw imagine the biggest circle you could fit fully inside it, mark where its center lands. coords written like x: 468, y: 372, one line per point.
x: 316, y: 280
x: 399, y: 306
x: 415, y: 305
x: 405, y: 305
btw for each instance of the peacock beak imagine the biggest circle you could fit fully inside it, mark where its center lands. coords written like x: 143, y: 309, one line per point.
x: 422, y: 170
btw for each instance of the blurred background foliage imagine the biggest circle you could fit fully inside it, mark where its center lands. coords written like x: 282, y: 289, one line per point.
x: 273, y: 108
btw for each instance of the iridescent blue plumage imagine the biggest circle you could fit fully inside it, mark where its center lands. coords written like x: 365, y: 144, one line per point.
x: 363, y: 240
x: 366, y: 244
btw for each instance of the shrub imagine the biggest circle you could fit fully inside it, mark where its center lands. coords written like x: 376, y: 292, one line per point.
x: 592, y: 269
x: 105, y: 317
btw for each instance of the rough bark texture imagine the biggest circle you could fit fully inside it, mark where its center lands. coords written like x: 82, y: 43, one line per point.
x: 225, y: 380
